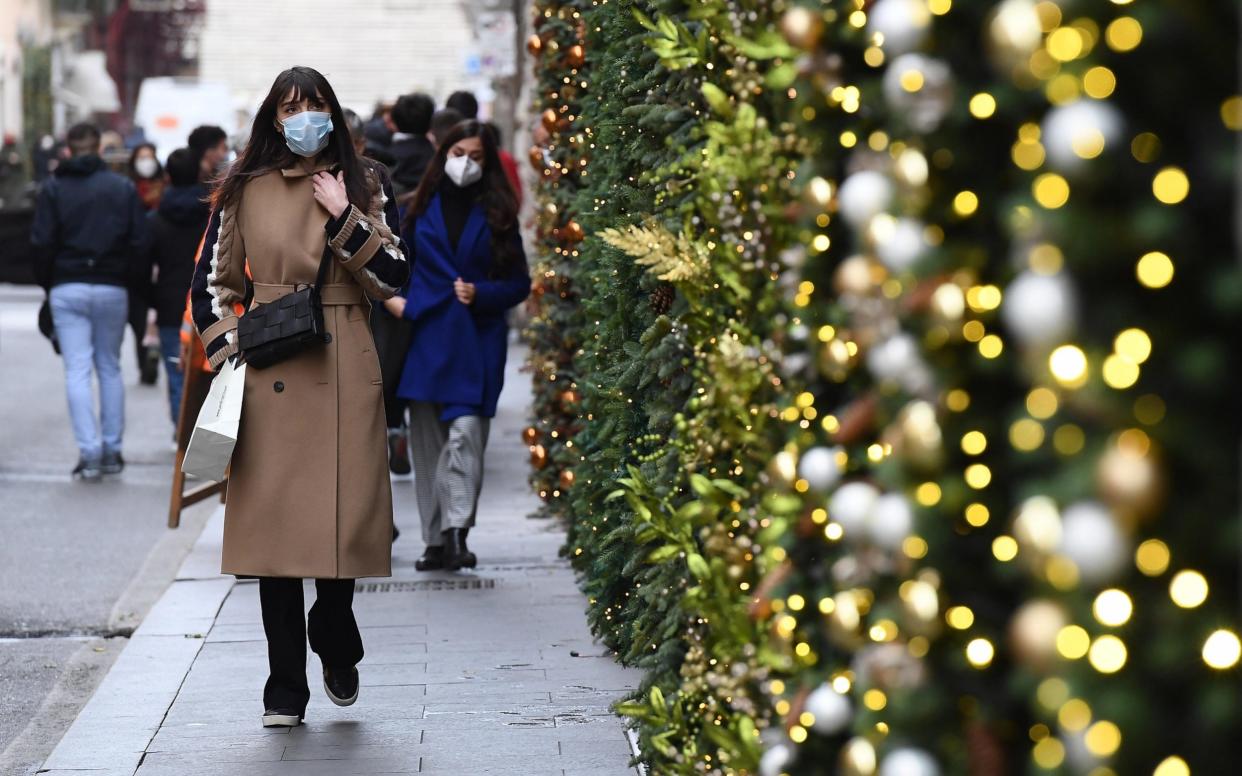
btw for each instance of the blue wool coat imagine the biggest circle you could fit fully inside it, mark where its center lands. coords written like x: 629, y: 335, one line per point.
x: 457, y: 356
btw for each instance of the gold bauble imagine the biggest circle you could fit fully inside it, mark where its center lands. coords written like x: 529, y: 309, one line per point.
x: 783, y: 468
x: 835, y: 360
x: 802, y: 27
x: 857, y: 758
x: 530, y: 435
x: 1130, y: 481
x: 856, y: 276
x: 948, y: 303
x: 1013, y: 33
x: 566, y: 479
x: 1037, y: 527
x: 534, y: 44
x: 575, y: 56
x: 918, y: 439
x: 1033, y: 632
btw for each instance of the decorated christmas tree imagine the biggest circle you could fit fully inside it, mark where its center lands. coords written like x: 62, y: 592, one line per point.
x: 900, y: 437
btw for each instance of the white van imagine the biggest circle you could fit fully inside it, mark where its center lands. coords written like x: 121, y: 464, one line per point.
x: 169, y: 108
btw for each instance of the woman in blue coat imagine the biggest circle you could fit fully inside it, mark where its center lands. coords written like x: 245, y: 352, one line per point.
x: 468, y: 269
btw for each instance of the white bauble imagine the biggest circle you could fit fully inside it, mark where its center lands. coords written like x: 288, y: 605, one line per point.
x: 1039, y: 309
x: 902, y: 244
x: 908, y: 761
x: 864, y: 195
x: 924, y: 108
x: 1091, y: 538
x: 903, y: 23
x: 892, y: 521
x: 831, y: 709
x: 893, y: 358
x: 818, y: 466
x: 774, y: 760
x: 851, y: 507
x: 1072, y: 132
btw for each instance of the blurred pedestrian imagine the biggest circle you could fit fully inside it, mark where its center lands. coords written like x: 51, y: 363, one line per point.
x: 176, y: 228
x: 309, y: 493
x: 89, y: 228
x: 148, y: 177
x: 379, y: 129
x: 210, y: 145
x: 464, y: 103
x: 147, y: 174
x: 507, y: 162
x: 411, y: 150
x: 442, y: 122
x: 471, y: 268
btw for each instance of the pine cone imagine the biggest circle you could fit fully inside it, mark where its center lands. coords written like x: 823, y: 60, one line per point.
x: 662, y: 298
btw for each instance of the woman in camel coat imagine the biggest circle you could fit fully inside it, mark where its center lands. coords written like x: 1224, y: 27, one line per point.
x: 309, y: 494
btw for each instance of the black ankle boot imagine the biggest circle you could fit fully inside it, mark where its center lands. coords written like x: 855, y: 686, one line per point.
x: 456, y: 556
x: 433, y: 558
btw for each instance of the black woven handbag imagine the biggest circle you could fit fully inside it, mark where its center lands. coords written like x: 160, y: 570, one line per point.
x: 276, y: 331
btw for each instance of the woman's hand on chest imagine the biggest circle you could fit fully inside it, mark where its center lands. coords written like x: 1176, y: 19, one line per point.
x: 330, y: 193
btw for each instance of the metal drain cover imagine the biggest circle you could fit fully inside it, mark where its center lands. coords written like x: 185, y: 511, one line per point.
x: 415, y: 585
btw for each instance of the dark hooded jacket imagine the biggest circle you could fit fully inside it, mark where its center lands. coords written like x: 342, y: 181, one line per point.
x: 177, y: 227
x: 89, y: 226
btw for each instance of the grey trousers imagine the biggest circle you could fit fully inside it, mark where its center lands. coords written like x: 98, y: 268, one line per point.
x: 448, y: 468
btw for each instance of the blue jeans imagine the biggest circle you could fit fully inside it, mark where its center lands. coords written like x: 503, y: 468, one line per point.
x: 170, y: 349
x: 90, y: 321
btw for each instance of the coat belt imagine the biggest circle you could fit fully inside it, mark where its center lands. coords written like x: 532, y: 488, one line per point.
x: 329, y: 293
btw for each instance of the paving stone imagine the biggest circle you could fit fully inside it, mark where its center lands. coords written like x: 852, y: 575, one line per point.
x: 500, y: 677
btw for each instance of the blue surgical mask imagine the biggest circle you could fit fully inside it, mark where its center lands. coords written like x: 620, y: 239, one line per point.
x: 306, y: 133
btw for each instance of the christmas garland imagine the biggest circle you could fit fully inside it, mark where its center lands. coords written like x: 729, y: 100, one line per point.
x: 869, y: 353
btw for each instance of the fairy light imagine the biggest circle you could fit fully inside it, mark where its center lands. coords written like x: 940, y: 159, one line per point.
x: 1222, y: 649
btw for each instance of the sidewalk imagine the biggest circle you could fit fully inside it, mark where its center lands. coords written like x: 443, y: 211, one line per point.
x: 483, y: 672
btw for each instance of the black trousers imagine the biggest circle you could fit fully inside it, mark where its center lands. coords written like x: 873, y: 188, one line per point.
x: 392, y: 343
x: 331, y: 626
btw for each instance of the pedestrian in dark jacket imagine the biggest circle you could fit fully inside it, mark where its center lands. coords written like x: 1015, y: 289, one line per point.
x: 468, y: 270
x: 148, y: 177
x: 177, y: 227
x: 89, y: 229
x: 410, y: 149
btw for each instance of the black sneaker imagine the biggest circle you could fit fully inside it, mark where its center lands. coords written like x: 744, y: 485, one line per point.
x: 282, y: 718
x: 112, y: 463
x: 87, y: 470
x: 341, y: 686
x: 398, y: 452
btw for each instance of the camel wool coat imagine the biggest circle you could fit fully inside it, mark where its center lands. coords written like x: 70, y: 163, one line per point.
x: 308, y: 493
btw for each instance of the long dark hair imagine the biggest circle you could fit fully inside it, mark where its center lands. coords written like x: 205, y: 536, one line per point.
x: 266, y: 149
x: 497, y: 198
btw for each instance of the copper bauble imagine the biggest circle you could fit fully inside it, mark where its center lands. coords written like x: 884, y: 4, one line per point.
x: 538, y: 456
x: 1033, y: 632
x: 536, y: 157
x: 569, y: 397
x: 530, y: 435
x: 573, y: 232
x: 566, y: 479
x: 575, y: 56
x: 802, y: 27
x: 534, y: 44
x: 549, y: 117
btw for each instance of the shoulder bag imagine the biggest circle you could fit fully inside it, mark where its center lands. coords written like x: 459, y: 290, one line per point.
x: 275, y: 331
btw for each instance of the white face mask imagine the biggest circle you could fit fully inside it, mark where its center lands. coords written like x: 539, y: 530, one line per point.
x: 463, y: 170
x: 146, y: 167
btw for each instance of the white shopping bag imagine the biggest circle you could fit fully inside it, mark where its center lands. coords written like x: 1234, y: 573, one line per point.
x: 215, y: 432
